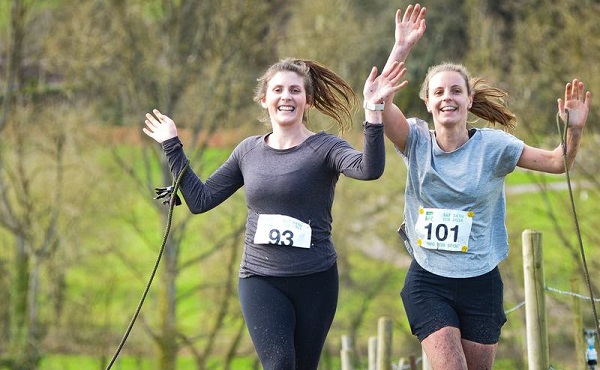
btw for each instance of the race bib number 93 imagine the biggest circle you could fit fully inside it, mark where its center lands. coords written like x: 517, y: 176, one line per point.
x: 282, y: 230
x: 444, y: 229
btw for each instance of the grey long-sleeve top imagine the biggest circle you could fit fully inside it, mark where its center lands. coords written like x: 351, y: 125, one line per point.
x: 298, y: 182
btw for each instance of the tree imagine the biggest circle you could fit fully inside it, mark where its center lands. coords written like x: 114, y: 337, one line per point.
x: 196, y: 61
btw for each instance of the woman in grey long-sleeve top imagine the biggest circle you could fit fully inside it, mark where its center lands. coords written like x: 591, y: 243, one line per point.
x: 288, y: 280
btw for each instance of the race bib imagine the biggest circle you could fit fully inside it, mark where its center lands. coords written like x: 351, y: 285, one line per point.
x: 282, y: 230
x: 444, y: 229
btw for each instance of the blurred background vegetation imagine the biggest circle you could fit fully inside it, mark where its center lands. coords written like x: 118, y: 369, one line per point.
x: 79, y: 231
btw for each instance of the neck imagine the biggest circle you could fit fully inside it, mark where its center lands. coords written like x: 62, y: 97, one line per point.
x: 288, y: 137
x: 449, y: 139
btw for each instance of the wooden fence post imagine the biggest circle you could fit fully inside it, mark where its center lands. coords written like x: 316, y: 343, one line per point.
x: 577, y: 326
x: 384, y: 344
x: 346, y: 353
x: 535, y: 303
x: 373, y: 353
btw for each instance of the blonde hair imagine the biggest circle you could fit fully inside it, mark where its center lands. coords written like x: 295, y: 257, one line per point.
x: 325, y: 90
x: 489, y: 103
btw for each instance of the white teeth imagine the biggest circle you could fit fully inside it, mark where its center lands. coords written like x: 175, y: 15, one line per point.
x: 286, y: 108
x: 446, y: 109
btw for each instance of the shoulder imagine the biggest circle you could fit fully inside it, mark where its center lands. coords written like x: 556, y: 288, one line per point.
x: 323, y: 138
x: 418, y: 124
x: 418, y: 130
x: 252, y: 141
x: 496, y: 136
x: 418, y: 134
x: 249, y: 144
x: 495, y: 143
x: 325, y: 144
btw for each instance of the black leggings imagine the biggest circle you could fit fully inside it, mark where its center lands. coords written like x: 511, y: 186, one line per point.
x: 288, y: 317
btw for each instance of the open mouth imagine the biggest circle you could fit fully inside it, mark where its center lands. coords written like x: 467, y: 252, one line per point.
x: 286, y: 108
x: 448, y: 109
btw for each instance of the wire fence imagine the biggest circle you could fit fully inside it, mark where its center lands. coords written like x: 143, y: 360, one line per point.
x: 554, y: 290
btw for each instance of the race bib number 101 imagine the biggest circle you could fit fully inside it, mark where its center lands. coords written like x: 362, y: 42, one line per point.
x: 282, y: 230
x: 444, y: 229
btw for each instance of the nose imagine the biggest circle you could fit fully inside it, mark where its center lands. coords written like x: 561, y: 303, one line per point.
x: 285, y: 94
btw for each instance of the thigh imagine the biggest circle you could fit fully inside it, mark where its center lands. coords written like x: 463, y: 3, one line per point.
x: 480, y: 306
x: 270, y: 320
x: 428, y: 302
x: 315, y: 297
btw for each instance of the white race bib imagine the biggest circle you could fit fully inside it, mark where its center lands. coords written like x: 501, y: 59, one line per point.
x: 282, y: 230
x: 444, y: 229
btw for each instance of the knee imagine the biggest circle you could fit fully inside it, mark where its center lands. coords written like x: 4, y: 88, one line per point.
x: 279, y: 362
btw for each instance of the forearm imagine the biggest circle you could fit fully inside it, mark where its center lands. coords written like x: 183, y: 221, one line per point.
x: 572, y: 145
x: 370, y: 163
x: 398, y: 53
x: 175, y: 155
x: 552, y: 161
x: 395, y: 125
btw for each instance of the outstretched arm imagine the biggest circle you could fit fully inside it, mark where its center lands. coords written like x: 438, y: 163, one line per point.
x: 577, y: 104
x: 410, y: 27
x: 409, y: 30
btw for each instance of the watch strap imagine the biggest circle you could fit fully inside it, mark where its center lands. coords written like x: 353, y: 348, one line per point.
x: 373, y: 106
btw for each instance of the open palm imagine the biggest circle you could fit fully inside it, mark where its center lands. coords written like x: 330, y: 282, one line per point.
x: 577, y: 103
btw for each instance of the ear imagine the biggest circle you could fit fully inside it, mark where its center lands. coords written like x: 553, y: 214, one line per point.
x: 308, y: 102
x: 471, y: 97
x: 426, y: 101
x: 263, y: 102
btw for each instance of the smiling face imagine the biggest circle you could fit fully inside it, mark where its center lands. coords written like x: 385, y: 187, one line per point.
x: 448, y: 98
x: 285, y: 98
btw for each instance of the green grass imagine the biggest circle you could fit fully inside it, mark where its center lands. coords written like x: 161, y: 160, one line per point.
x: 76, y: 362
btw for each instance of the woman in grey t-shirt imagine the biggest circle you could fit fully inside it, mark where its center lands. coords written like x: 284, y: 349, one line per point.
x: 455, y: 207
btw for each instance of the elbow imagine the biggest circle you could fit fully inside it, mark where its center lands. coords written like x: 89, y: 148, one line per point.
x: 564, y: 169
x: 560, y: 168
x: 375, y: 174
x: 199, y: 209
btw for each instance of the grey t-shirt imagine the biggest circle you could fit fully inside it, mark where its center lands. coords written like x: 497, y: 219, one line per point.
x: 298, y: 182
x: 470, y: 179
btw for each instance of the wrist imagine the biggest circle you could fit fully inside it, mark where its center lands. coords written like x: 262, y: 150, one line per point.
x: 376, y: 107
x: 374, y: 117
x: 400, y: 51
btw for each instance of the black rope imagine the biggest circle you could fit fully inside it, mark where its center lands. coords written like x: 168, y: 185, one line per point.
x: 171, y: 197
x: 563, y: 135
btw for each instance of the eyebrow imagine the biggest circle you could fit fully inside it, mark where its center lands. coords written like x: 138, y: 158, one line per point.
x: 450, y: 87
x: 291, y: 86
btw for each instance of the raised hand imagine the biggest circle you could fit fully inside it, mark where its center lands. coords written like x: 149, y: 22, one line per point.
x: 378, y: 89
x: 577, y: 103
x: 159, y: 127
x: 411, y: 26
